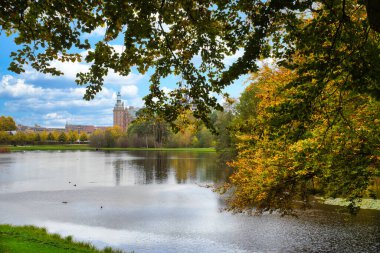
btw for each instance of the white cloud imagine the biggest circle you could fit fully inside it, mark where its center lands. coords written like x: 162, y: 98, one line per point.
x: 18, y: 88
x: 136, y: 102
x: 115, y: 79
x: 60, y: 118
x: 53, y: 115
x: 70, y: 70
x: 129, y: 91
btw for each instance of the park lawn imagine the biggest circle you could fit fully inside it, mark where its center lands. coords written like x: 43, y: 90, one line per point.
x: 29, y: 239
x: 87, y: 147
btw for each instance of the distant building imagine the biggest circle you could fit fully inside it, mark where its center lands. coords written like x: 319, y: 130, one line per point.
x: 102, y: 128
x: 122, y: 116
x: 88, y: 129
x: 37, y: 128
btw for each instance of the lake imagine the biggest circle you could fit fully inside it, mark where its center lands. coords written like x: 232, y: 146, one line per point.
x: 149, y: 201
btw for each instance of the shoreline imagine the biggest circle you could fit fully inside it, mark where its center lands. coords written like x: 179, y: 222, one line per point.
x: 85, y: 147
x: 365, y: 203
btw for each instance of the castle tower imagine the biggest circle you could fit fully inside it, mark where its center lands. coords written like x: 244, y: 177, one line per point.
x: 118, y: 113
x: 121, y: 115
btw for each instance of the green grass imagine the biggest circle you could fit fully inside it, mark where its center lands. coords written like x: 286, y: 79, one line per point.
x: 364, y: 204
x: 87, y: 147
x: 52, y: 147
x: 36, y: 240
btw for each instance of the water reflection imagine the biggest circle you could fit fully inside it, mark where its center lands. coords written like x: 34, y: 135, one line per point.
x: 157, y: 206
x: 147, y: 167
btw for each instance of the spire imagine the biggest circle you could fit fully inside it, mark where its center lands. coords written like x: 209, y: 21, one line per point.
x: 119, y: 104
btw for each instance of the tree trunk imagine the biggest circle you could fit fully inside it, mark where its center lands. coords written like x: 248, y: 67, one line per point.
x: 373, y: 14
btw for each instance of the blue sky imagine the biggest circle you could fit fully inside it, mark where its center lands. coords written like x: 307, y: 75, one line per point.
x: 34, y: 98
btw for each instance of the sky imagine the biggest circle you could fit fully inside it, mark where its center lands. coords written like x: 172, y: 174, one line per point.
x: 35, y: 98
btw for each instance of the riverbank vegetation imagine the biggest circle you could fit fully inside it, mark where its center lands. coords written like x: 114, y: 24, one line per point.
x: 42, y: 138
x: 149, y: 131
x: 373, y: 204
x: 5, y: 150
x: 83, y: 147
x: 145, y: 132
x: 16, y: 239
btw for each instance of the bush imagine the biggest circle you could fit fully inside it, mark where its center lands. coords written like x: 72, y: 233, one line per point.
x: 5, y: 150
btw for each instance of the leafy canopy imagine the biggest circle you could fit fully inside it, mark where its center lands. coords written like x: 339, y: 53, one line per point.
x: 315, y: 127
x: 187, y: 38
x: 7, y: 123
x: 283, y: 160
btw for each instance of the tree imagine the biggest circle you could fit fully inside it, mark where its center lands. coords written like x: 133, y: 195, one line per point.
x: 184, y: 133
x: 19, y: 138
x: 141, y: 131
x: 107, y: 138
x: 72, y: 136
x: 153, y: 129
x: 111, y: 135
x: 56, y: 134
x: 83, y: 137
x: 169, y: 36
x: 4, y: 137
x: 97, y: 139
x: 246, y: 108
x: 62, y: 138
x: 30, y: 137
x: 284, y: 159
x: 184, y: 138
x: 204, y: 138
x: 50, y: 137
x: 7, y: 124
x: 44, y: 136
x: 37, y: 138
x: 225, y: 140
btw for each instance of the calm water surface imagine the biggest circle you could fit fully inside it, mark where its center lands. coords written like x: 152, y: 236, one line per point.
x: 154, y: 202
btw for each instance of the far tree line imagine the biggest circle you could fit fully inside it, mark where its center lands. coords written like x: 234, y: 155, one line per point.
x: 147, y: 132
x: 39, y: 138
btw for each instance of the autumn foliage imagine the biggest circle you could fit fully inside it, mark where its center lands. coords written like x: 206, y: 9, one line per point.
x: 284, y: 157
x: 313, y: 128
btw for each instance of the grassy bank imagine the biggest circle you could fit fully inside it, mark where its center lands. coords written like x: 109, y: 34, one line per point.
x: 87, y: 147
x: 364, y: 204
x: 52, y: 147
x: 36, y: 240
